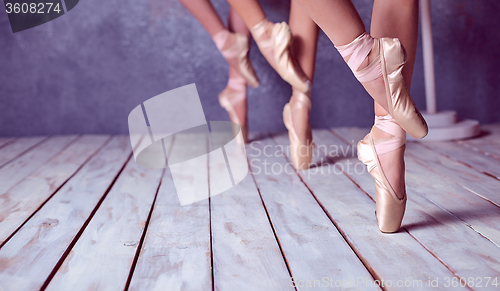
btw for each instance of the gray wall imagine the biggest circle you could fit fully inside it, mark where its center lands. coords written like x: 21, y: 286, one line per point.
x: 85, y: 71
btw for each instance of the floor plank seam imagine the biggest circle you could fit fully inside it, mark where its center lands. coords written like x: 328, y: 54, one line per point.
x: 435, y: 256
x: 8, y: 143
x: 210, y: 218
x: 56, y: 190
x: 84, y: 226
x: 460, y: 219
x: 26, y: 151
x: 36, y: 210
x: 477, y: 150
x: 339, y: 229
x: 483, y: 197
x: 143, y: 236
x: 38, y: 167
x: 271, y: 223
x: 457, y: 183
x: 456, y: 160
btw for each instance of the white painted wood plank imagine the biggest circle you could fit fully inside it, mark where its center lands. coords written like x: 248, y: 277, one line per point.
x: 29, y: 257
x: 489, y: 146
x: 476, y: 160
x: 245, y: 251
x: 176, y: 254
x: 5, y: 140
x: 18, y: 147
x: 313, y: 247
x: 353, y: 212
x: 104, y: 254
x: 479, y: 214
x: 246, y: 255
x: 18, y: 203
x: 17, y: 170
x: 460, y: 248
x: 488, y: 143
x: 482, y: 185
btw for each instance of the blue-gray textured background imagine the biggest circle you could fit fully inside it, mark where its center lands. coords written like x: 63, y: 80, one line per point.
x: 85, y: 71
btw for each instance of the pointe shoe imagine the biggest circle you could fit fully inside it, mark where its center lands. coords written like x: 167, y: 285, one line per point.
x: 401, y: 105
x: 389, y: 64
x: 301, y: 149
x: 239, y: 49
x: 280, y: 44
x: 235, y: 92
x: 390, y: 208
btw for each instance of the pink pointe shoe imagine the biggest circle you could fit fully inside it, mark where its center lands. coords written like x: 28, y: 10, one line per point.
x: 390, y: 208
x: 238, y: 50
x: 301, y: 148
x: 389, y: 64
x: 277, y: 51
x: 232, y: 96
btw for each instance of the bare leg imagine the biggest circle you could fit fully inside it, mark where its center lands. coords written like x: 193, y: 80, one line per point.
x: 273, y: 40
x: 205, y: 12
x: 250, y: 11
x: 396, y: 18
x: 304, y: 46
x: 236, y: 24
x: 232, y: 46
x: 341, y: 22
x: 339, y: 19
x: 305, y: 39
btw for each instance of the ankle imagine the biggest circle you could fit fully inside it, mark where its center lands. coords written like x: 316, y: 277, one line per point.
x: 220, y: 39
x: 230, y: 40
x: 386, y: 127
x: 262, y: 30
x: 379, y: 134
x: 361, y: 55
x: 300, y: 101
x: 269, y: 30
x: 371, y: 57
x: 235, y: 74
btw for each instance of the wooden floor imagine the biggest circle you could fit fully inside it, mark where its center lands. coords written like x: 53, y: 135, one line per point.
x: 77, y: 213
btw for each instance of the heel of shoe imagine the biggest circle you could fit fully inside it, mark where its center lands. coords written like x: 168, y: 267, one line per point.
x: 300, y: 159
x: 224, y: 101
x: 286, y: 66
x: 393, y: 52
x: 389, y: 208
x: 401, y: 105
x: 366, y: 153
x: 390, y: 212
x: 245, y: 66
